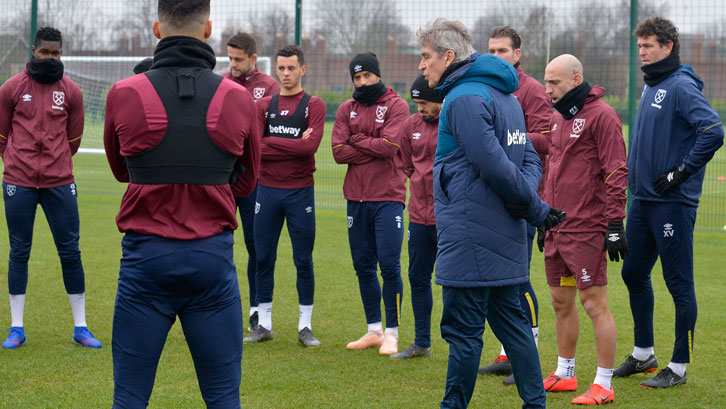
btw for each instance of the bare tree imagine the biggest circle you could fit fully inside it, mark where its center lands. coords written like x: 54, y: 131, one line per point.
x: 272, y: 29
x: 361, y: 25
x: 135, y: 26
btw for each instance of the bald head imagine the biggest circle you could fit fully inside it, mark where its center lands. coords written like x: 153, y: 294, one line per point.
x: 562, y: 75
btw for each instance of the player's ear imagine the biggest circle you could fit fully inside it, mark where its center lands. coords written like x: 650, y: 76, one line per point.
x: 156, y: 29
x: 304, y: 69
x: 207, y: 29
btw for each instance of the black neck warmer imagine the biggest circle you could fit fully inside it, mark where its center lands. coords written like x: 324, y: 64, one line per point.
x: 48, y: 71
x: 453, y: 67
x: 179, y: 51
x: 516, y: 65
x: 369, y: 94
x: 572, y: 102
x: 658, y: 71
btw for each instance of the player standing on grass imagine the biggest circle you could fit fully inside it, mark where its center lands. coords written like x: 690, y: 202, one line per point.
x: 242, y: 52
x: 366, y: 138
x: 41, y: 122
x: 482, y: 157
x: 505, y: 43
x: 587, y: 178
x: 676, y: 133
x: 178, y: 134
x: 293, y: 127
x: 418, y: 145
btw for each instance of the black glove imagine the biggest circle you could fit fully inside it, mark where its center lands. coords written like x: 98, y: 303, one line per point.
x: 517, y: 211
x: 540, y: 239
x: 669, y: 181
x: 554, y: 217
x: 615, y: 241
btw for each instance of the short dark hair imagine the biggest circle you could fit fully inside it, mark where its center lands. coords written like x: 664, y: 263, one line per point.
x: 506, y: 31
x: 48, y: 34
x: 243, y: 41
x: 663, y: 29
x: 289, y: 51
x: 179, y: 13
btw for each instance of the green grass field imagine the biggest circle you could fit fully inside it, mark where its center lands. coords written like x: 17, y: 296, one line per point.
x: 51, y: 372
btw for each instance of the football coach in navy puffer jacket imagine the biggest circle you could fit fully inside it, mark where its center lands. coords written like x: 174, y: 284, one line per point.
x: 486, y: 174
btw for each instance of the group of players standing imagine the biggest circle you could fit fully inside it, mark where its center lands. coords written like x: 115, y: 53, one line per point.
x: 194, y: 148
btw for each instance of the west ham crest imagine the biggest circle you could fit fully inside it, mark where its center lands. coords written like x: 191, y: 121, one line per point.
x: 350, y: 222
x: 381, y: 112
x: 59, y: 97
x: 578, y: 125
x: 258, y: 93
x: 10, y: 189
x: 660, y: 95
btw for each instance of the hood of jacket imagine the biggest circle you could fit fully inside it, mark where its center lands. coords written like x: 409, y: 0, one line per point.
x: 486, y: 69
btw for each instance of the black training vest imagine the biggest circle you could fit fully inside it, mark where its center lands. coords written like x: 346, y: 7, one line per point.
x: 291, y: 126
x: 186, y: 154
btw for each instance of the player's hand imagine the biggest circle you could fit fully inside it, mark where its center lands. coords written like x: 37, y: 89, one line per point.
x: 540, y: 239
x: 307, y: 133
x: 554, y: 217
x: 669, y: 181
x: 615, y: 242
x: 517, y: 211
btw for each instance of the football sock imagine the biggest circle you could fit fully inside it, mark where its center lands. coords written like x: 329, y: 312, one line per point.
x: 393, y: 331
x: 17, y: 306
x: 678, y: 369
x: 641, y: 354
x: 376, y: 326
x: 565, y: 368
x: 253, y: 310
x: 604, y: 377
x: 265, y: 315
x: 78, y: 308
x: 306, y: 316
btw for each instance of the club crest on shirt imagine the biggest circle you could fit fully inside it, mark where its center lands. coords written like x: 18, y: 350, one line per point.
x: 659, y: 97
x: 381, y: 113
x: 58, y: 98
x: 10, y: 189
x: 258, y: 93
x: 577, y: 126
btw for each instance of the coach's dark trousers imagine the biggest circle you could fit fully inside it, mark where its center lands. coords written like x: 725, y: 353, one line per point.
x: 462, y: 325
x: 159, y: 280
x: 666, y: 230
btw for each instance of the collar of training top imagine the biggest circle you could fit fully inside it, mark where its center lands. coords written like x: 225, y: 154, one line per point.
x: 180, y: 51
x: 572, y: 102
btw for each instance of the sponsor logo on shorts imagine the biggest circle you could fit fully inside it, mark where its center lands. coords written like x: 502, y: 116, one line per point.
x: 668, y: 230
x: 73, y: 188
x: 10, y: 189
x: 399, y: 219
x: 350, y: 221
x: 257, y: 207
x: 585, y: 277
x: 309, y: 209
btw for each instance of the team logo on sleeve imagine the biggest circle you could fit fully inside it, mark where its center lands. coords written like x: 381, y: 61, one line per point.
x: 577, y: 127
x: 258, y: 93
x: 659, y: 97
x: 381, y: 113
x: 350, y: 221
x: 10, y: 189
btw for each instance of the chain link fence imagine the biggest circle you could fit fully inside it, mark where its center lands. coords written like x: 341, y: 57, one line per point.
x: 98, y: 33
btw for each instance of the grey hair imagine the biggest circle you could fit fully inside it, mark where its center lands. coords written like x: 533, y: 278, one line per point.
x: 442, y: 35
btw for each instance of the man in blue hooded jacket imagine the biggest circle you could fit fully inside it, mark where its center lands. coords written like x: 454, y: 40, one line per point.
x: 486, y: 174
x: 676, y: 132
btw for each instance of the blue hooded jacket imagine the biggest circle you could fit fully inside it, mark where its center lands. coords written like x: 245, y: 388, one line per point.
x: 483, y: 157
x: 675, y: 124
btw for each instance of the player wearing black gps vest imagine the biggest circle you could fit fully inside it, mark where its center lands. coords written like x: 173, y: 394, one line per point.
x: 293, y: 127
